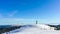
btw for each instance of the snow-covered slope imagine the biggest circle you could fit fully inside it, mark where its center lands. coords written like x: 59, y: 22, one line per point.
x: 34, y: 29
x: 44, y: 27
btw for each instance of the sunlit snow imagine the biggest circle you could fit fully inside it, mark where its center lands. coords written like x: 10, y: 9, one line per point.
x: 34, y: 29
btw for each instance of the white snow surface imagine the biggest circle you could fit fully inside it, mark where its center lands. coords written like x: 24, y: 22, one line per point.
x: 33, y: 29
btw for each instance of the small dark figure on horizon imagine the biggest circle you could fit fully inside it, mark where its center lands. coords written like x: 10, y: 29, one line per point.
x: 36, y: 22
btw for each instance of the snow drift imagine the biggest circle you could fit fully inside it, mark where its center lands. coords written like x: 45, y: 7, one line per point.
x: 34, y: 29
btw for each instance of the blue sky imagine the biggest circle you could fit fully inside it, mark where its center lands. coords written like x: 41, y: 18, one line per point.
x: 27, y: 11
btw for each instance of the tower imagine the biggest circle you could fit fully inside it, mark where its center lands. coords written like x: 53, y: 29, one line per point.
x: 36, y: 22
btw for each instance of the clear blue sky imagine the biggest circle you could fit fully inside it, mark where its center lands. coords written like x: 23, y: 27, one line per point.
x: 27, y: 11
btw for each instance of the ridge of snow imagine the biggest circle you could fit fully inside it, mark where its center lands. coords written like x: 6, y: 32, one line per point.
x: 34, y: 29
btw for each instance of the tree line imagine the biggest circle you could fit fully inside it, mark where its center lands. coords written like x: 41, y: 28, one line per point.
x: 2, y: 30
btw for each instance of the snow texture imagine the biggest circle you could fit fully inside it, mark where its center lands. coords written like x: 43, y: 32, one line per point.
x: 34, y: 29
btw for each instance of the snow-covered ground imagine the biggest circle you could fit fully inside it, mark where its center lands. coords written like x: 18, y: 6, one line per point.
x: 34, y: 29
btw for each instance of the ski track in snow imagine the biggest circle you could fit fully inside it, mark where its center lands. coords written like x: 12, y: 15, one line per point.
x: 32, y: 30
